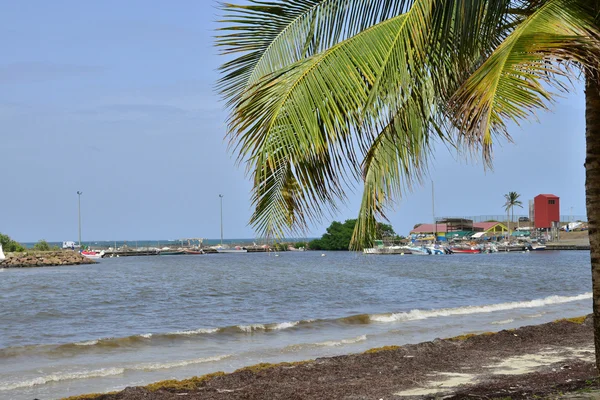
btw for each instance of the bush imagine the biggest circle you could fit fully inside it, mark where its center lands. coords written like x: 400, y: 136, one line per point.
x: 10, y: 245
x: 42, y: 245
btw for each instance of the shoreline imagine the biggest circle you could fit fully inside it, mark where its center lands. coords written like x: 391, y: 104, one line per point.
x: 538, y: 360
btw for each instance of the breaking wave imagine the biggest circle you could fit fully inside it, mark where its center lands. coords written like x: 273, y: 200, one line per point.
x: 57, y: 377
x: 149, y: 339
x: 446, y: 312
x: 101, y: 373
x: 342, y: 342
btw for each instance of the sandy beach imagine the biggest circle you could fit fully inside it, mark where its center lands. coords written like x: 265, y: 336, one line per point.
x: 542, y: 360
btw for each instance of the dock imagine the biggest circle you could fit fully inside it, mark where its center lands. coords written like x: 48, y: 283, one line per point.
x: 559, y: 246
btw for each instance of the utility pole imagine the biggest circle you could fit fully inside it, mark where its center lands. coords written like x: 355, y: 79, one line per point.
x: 221, y: 198
x: 79, y: 215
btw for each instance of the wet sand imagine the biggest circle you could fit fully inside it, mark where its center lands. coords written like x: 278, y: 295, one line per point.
x: 543, y: 360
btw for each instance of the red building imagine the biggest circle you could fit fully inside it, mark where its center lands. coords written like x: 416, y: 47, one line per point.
x: 546, y: 210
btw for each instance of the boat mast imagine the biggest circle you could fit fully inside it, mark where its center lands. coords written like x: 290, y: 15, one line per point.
x: 221, y: 198
x: 433, y: 212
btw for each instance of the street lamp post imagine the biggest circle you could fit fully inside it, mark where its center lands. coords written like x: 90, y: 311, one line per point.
x: 221, y: 198
x: 79, y: 214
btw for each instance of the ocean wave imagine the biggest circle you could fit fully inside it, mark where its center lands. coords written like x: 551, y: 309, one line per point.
x: 503, y: 322
x: 342, y: 342
x: 284, y: 325
x: 43, y: 380
x: 150, y: 339
x: 87, y: 343
x: 177, y: 364
x: 445, y: 312
x: 251, y: 328
x: 193, y: 332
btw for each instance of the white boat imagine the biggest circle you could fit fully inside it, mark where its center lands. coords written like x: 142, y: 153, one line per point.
x: 435, y: 250
x: 420, y: 251
x: 93, y: 255
x: 537, y: 247
x: 2, y: 256
x: 237, y: 249
x: 387, y: 250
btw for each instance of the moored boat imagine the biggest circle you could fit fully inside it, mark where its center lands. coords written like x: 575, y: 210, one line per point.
x: 92, y: 254
x: 465, y: 250
x: 171, y: 253
x: 189, y: 251
x: 236, y: 250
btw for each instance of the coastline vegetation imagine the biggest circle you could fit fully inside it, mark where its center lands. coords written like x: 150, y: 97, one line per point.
x: 10, y: 245
x: 339, y: 235
x: 43, y: 245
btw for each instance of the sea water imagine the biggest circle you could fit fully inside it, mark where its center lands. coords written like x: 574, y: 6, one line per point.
x: 136, y: 320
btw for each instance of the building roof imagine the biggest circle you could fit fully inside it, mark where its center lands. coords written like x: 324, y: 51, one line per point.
x: 428, y: 228
x: 551, y: 196
x: 443, y: 228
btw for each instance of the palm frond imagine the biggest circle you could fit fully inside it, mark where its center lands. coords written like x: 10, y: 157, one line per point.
x: 517, y: 79
x: 301, y: 119
x: 275, y: 34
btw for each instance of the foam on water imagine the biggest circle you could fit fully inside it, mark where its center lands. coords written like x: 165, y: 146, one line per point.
x: 284, y: 325
x: 104, y: 372
x: 342, y: 342
x: 445, y: 312
x: 87, y: 343
x: 194, y: 332
x: 62, y: 376
x: 177, y: 364
x: 503, y: 322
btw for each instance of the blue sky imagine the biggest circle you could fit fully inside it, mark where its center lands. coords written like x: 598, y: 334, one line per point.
x: 116, y: 99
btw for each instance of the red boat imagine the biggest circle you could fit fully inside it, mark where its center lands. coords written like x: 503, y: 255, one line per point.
x: 471, y: 250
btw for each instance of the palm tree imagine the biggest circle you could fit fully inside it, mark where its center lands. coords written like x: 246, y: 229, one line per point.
x: 512, y: 200
x: 327, y: 93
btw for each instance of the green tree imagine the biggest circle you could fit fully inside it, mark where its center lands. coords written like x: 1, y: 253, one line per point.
x: 42, y: 245
x: 326, y: 90
x: 10, y: 245
x: 512, y: 200
x: 338, y: 236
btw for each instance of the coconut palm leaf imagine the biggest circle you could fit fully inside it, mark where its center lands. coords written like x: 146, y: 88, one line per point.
x: 300, y: 120
x: 275, y: 34
x: 517, y: 79
x: 299, y: 128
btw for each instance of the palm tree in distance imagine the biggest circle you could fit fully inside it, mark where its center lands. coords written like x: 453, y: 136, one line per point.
x: 327, y: 93
x: 512, y: 200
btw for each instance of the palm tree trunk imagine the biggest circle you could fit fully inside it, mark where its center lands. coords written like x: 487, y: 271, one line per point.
x: 592, y: 190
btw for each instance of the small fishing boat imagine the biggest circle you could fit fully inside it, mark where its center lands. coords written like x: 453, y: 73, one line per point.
x: 465, y: 250
x: 189, y: 251
x: 401, y: 250
x: 171, y: 252
x: 236, y: 250
x: 92, y: 254
x: 537, y: 247
x: 419, y: 251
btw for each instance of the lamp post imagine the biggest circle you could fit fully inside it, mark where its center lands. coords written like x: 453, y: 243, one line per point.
x: 221, y: 198
x: 79, y: 214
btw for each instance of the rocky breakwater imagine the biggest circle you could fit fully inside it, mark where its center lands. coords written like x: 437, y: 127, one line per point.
x: 43, y: 259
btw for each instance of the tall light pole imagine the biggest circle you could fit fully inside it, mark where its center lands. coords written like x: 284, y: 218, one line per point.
x: 79, y: 214
x: 221, y: 198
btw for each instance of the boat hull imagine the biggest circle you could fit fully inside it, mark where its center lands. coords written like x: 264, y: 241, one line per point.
x: 171, y: 253
x: 232, y: 251
x: 466, y: 251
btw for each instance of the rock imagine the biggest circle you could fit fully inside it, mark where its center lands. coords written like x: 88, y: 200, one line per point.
x: 44, y: 259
